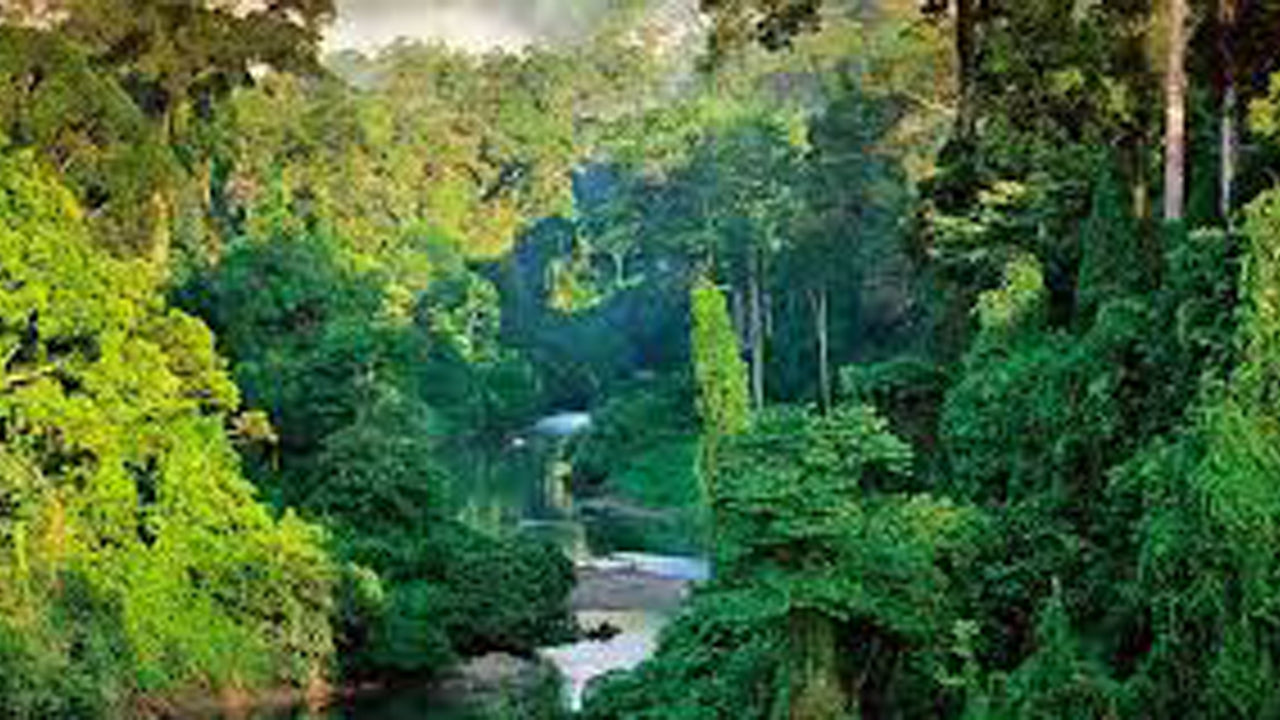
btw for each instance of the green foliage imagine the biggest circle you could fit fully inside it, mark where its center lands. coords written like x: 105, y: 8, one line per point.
x: 1036, y: 426
x: 42, y: 680
x: 448, y: 591
x: 498, y: 132
x: 378, y: 474
x: 740, y: 192
x: 1025, y: 419
x: 718, y: 368
x: 663, y: 476
x: 1058, y: 680
x: 1039, y: 410
x: 295, y: 322
x: 854, y: 191
x: 1207, y: 504
x: 1060, y: 505
x: 127, y: 528
x: 407, y: 637
x: 481, y: 384
x: 643, y: 459
x: 351, y: 383
x: 83, y: 124
x: 644, y: 472
x: 908, y: 390
x: 507, y: 594
x: 436, y: 590
x: 771, y: 23
x: 1264, y: 112
x: 1018, y: 302
x: 715, y: 660
x: 1260, y: 324
x: 1112, y: 259
x: 177, y: 60
x: 801, y: 517
x: 815, y: 553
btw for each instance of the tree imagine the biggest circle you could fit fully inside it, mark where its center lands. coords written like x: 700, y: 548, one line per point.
x: 772, y: 23
x: 175, y: 62
x: 363, y: 392
x: 124, y: 503
x: 722, y: 397
x: 749, y: 172
x: 1227, y: 135
x: 852, y: 207
x: 175, y: 56
x: 1175, y: 99
x: 816, y: 533
x: 85, y: 126
x: 775, y: 24
x: 437, y: 147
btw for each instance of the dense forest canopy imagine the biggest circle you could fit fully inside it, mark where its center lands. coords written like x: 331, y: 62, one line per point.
x: 948, y: 331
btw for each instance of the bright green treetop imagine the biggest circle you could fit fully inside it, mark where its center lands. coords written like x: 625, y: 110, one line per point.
x: 113, y: 406
x: 721, y: 373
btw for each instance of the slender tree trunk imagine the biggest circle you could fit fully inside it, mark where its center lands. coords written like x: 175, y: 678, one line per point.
x: 1229, y: 148
x: 162, y: 212
x: 619, y: 268
x: 739, y: 313
x: 964, y: 68
x: 1175, y: 112
x: 818, y: 302
x: 1141, y: 183
x: 1227, y: 130
x: 768, y: 314
x: 756, y: 331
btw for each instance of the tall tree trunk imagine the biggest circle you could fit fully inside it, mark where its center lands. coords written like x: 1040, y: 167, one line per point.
x: 1141, y: 182
x: 756, y: 331
x: 1175, y: 112
x: 1227, y: 179
x: 1227, y: 128
x: 768, y: 315
x: 964, y: 68
x: 818, y: 302
x: 738, y: 312
x: 162, y: 213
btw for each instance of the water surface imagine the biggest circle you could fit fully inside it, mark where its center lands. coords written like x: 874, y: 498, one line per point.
x: 521, y: 486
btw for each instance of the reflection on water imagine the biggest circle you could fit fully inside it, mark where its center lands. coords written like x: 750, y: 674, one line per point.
x: 527, y: 488
x: 499, y: 488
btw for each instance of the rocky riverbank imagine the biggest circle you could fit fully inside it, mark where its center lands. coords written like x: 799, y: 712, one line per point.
x: 626, y: 589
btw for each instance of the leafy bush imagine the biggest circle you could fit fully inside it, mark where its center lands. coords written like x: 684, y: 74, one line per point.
x: 715, y: 660
x: 446, y: 591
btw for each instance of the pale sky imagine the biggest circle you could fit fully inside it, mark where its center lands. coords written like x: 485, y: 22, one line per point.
x: 470, y: 24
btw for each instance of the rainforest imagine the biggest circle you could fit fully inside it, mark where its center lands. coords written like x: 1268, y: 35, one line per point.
x: 639, y: 359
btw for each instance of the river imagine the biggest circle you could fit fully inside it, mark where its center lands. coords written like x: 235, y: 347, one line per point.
x: 627, y: 581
